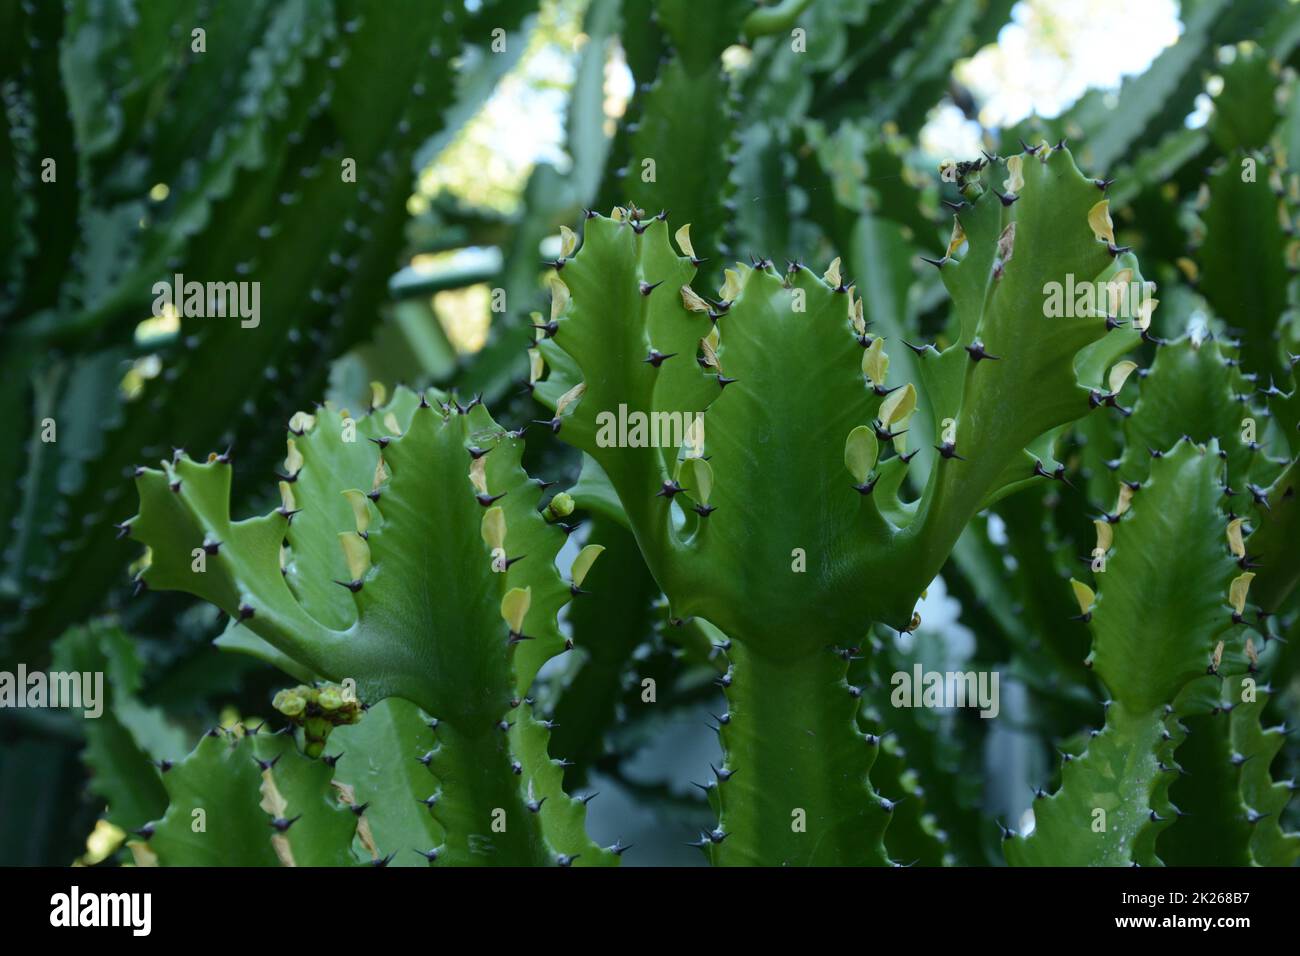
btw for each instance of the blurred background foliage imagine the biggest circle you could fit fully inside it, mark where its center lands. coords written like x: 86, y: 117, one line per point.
x: 470, y: 158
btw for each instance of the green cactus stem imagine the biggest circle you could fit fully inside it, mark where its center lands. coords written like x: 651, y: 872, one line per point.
x: 781, y: 490
x: 1166, y: 605
x: 408, y: 557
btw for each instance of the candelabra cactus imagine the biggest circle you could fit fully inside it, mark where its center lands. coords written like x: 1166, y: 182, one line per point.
x: 409, y: 559
x: 270, y: 146
x: 772, y: 474
x: 1192, y: 522
x: 781, y: 517
x: 1168, y: 564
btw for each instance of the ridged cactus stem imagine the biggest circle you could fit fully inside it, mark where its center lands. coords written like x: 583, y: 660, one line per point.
x: 793, y: 787
x: 437, y: 586
x: 479, y: 789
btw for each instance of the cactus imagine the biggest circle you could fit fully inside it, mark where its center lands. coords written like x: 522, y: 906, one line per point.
x: 781, y: 467
x: 1113, y: 800
x: 777, y: 445
x: 409, y: 557
x: 260, y: 196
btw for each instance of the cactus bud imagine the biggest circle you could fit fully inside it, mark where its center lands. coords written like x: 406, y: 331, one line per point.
x: 561, y: 506
x: 289, y: 702
x: 317, y: 710
x: 330, y: 698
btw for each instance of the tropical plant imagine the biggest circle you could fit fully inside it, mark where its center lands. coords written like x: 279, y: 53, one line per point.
x: 1030, y: 417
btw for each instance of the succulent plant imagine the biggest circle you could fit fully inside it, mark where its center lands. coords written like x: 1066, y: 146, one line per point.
x: 408, y: 559
x: 791, y: 451
x: 126, y: 181
x: 781, y: 468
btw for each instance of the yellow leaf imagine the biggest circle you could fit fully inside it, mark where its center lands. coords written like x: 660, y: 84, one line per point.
x: 1015, y: 180
x: 494, y: 528
x: 832, y: 274
x: 1238, y: 590
x: 1084, y: 595
x: 357, y: 552
x: 731, y: 286
x: 292, y: 460
x: 1119, y: 375
x: 692, y: 301
x: 360, y: 509
x: 559, y: 296
x: 569, y: 397
x: 861, y: 451
x: 898, y: 405
x: 583, y: 562
x: 1100, y: 223
x: 1105, y: 534
x: 1235, y: 541
x: 514, y: 608
x: 875, y: 362
x: 683, y: 237
x: 958, y: 237
x: 478, y: 474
